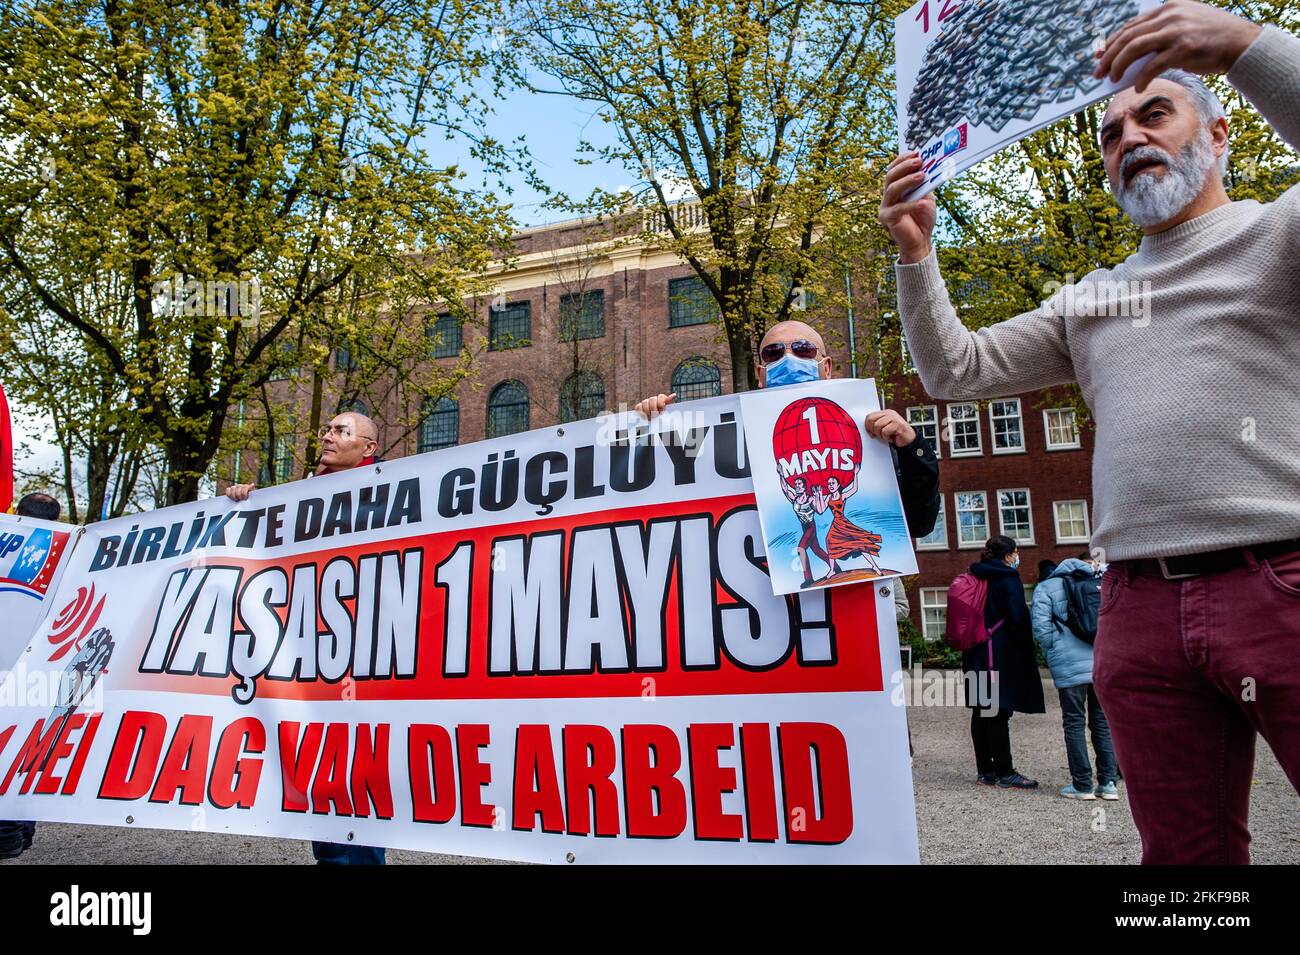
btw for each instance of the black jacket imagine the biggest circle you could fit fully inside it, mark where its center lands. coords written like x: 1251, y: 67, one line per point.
x: 1019, y: 685
x: 917, y: 470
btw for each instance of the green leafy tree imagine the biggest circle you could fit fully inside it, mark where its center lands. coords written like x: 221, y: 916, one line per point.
x: 750, y: 127
x: 236, y: 165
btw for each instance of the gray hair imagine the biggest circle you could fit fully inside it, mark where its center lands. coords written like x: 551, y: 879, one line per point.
x: 1207, y: 104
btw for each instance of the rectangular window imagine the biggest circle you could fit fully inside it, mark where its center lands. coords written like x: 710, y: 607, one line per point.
x: 1072, y: 522
x: 937, y: 539
x: 1008, y: 429
x: 582, y: 315
x: 925, y: 419
x: 1015, y: 516
x: 964, y: 430
x: 1062, y: 429
x: 510, y: 326
x: 344, y: 360
x: 444, y: 333
x: 690, y: 302
x: 908, y: 367
x: 972, y: 518
x: 440, y: 428
x: 934, y: 612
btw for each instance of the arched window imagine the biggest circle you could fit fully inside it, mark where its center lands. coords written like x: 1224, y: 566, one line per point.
x: 353, y: 404
x: 440, y: 425
x: 697, y: 378
x: 507, y: 409
x: 582, y: 396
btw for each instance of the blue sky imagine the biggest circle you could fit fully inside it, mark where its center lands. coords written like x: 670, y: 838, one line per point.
x: 552, y: 127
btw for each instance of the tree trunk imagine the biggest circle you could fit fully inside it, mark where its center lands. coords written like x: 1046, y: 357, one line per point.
x: 744, y: 374
x: 185, y: 465
x: 313, y: 424
x: 98, y: 465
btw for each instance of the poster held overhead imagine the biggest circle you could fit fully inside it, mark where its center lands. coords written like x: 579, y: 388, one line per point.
x: 976, y: 76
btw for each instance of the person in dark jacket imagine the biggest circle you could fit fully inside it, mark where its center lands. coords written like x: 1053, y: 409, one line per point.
x: 1001, y: 676
x: 793, y: 352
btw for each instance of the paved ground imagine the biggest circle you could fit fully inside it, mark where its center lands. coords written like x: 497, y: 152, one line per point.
x: 958, y: 820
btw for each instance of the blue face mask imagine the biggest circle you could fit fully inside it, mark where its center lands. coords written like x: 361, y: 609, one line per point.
x: 1015, y: 562
x: 790, y: 370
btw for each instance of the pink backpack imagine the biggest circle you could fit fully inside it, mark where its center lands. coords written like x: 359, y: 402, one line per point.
x: 966, y: 599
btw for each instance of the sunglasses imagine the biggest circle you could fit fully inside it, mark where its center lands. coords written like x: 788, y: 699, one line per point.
x: 775, y: 351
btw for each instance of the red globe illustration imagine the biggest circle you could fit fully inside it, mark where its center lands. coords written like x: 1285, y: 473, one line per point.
x: 815, y: 439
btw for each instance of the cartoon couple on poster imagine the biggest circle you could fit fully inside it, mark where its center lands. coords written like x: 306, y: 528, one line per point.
x: 844, y: 539
x: 818, y: 453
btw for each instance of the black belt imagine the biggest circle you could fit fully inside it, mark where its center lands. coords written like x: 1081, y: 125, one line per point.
x: 1209, y: 562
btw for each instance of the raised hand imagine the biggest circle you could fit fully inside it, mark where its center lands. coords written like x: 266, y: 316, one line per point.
x: 910, y: 224
x: 1182, y: 35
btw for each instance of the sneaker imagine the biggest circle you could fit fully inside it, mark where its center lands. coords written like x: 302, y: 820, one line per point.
x: 986, y: 779
x: 1016, y: 781
x: 1108, y: 791
x: 1070, y: 792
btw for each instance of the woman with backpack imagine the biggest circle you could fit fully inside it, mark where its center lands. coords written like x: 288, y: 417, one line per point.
x: 1001, y: 674
x: 1065, y: 622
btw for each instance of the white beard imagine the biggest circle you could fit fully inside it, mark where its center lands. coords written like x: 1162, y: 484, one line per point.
x: 1151, y: 198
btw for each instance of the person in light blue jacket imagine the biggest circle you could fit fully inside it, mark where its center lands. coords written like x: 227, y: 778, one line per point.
x: 1070, y: 660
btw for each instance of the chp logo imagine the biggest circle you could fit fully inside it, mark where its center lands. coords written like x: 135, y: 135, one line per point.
x: 28, y: 561
x: 935, y: 155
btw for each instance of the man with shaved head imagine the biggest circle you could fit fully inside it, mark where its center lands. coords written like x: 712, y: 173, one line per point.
x: 1187, y: 354
x: 350, y: 440
x: 792, y: 352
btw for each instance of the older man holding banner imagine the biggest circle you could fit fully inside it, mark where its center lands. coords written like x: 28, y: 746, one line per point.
x: 1187, y: 683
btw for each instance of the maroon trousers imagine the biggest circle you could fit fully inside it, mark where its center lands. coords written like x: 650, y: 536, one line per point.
x: 1188, y: 671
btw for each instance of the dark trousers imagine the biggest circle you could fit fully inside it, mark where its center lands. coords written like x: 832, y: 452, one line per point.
x: 16, y: 835
x: 1080, y: 711
x: 1189, y: 671
x: 991, y: 735
x: 334, y: 853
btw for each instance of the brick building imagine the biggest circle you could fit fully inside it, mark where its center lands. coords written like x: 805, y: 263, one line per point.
x: 1019, y: 466
x: 580, y: 323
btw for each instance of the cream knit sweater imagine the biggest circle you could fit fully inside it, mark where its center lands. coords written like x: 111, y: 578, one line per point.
x: 1188, y: 354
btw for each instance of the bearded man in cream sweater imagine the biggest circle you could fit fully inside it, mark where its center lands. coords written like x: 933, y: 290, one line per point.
x: 1188, y: 354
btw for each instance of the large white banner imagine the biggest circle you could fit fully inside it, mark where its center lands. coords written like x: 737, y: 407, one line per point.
x: 32, y: 557
x: 975, y: 76
x: 561, y: 646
